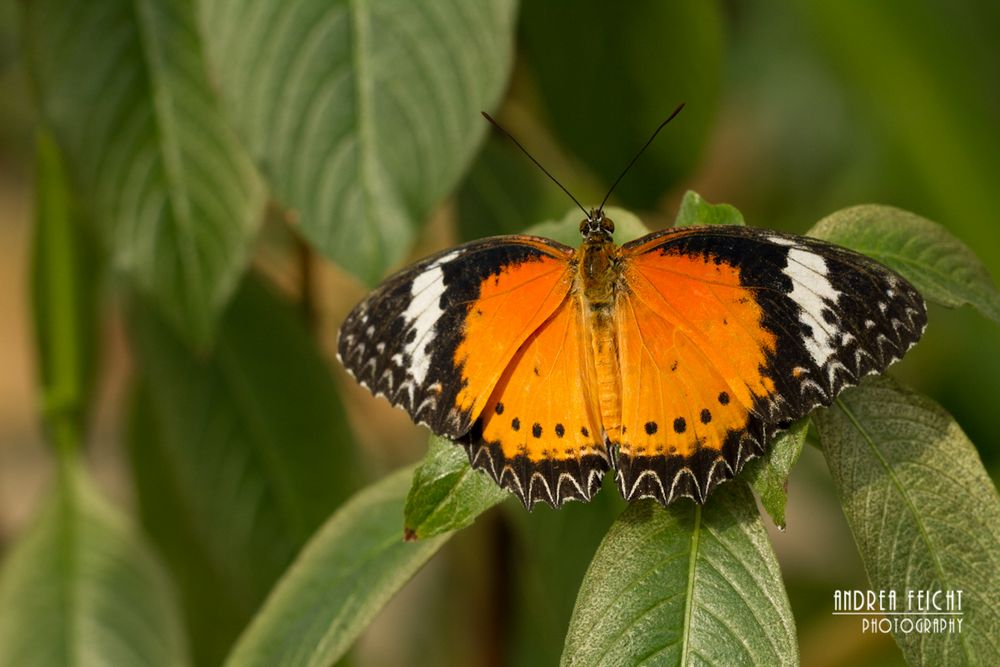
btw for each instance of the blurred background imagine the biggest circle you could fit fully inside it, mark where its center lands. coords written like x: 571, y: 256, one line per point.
x: 795, y: 109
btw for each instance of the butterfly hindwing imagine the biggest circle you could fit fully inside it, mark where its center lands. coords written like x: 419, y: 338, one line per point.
x: 729, y: 334
x: 540, y: 435
x: 435, y: 338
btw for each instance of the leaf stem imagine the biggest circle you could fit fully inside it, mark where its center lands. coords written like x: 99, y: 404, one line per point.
x: 307, y: 282
x: 58, y: 326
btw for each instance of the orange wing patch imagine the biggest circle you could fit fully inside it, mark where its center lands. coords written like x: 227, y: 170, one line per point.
x: 692, y: 352
x: 510, y: 306
x: 540, y: 435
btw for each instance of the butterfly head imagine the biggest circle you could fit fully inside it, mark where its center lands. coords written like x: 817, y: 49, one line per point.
x: 596, y: 227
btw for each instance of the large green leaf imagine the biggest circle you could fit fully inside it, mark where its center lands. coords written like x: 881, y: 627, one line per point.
x: 65, y: 280
x: 684, y: 585
x: 80, y: 589
x: 447, y: 493
x: 123, y: 87
x: 923, y: 511
x: 238, y: 456
x: 341, y: 579
x: 608, y: 75
x: 943, y: 268
x: 363, y: 115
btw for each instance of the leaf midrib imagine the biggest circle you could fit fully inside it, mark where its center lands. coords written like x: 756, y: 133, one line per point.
x: 67, y: 511
x: 366, y: 133
x: 689, y: 599
x: 169, y: 155
x: 439, y: 506
x: 891, y: 474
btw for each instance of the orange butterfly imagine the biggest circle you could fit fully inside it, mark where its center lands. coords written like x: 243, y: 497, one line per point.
x: 672, y: 359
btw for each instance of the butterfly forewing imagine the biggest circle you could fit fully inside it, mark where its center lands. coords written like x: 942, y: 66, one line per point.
x: 435, y: 338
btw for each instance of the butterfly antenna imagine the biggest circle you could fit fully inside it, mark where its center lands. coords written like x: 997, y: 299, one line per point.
x: 644, y: 147
x: 537, y: 163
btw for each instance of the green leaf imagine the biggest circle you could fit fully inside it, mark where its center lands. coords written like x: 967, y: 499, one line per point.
x: 944, y: 269
x: 341, y: 579
x: 238, y: 456
x: 503, y: 193
x: 567, y: 229
x: 447, y: 494
x: 79, y: 588
x: 684, y: 585
x: 123, y: 87
x: 768, y: 475
x: 696, y: 211
x: 608, y: 78
x: 64, y: 293
x: 363, y: 115
x: 922, y: 510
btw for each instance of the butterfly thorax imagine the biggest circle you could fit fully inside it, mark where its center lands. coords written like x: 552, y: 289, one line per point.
x: 598, y: 262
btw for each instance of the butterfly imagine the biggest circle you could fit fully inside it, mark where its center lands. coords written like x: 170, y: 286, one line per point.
x: 671, y: 360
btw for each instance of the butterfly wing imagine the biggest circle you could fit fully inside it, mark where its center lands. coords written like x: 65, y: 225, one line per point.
x: 435, y: 338
x: 540, y: 435
x: 728, y: 334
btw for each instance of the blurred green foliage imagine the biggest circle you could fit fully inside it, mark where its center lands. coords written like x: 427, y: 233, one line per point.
x: 164, y: 127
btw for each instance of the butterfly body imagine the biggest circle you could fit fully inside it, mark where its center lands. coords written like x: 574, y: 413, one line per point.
x: 672, y: 359
x: 598, y: 279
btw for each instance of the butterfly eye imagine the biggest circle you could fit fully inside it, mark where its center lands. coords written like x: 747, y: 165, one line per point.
x: 609, y: 225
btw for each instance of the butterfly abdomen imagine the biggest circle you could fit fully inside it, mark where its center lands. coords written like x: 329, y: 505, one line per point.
x: 604, y: 349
